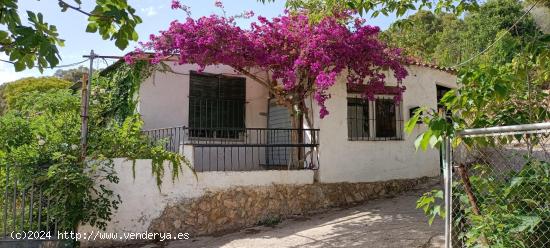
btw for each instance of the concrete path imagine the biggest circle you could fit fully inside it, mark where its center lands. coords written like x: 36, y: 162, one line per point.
x: 380, y: 223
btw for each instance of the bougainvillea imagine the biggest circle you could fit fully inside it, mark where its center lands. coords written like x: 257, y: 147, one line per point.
x: 302, y: 59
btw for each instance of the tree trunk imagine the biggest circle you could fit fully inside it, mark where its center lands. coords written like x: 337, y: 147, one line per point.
x: 297, y: 137
x: 471, y: 197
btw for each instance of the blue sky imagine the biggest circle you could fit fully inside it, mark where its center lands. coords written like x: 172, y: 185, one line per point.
x: 156, y: 15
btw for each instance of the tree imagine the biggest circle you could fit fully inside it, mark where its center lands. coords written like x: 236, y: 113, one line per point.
x: 300, y: 59
x: 448, y: 40
x: 449, y: 50
x: 72, y: 75
x: 419, y: 37
x: 493, y: 94
x: 12, y: 92
x: 36, y: 44
x: 317, y: 9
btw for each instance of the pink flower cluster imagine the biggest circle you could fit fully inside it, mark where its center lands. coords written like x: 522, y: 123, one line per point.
x: 176, y: 4
x: 248, y: 14
x: 302, y: 57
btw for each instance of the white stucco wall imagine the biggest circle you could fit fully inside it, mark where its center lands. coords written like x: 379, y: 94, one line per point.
x: 164, y: 103
x: 142, y: 201
x: 164, y: 98
x: 368, y: 161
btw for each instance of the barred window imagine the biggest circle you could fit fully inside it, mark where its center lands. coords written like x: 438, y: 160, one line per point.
x: 216, y: 105
x: 386, y: 118
x: 358, y: 118
x: 380, y: 119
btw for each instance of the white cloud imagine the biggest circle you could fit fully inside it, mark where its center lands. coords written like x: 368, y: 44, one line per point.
x: 149, y: 11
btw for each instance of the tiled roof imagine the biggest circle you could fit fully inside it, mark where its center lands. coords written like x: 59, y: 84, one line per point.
x: 412, y: 61
x: 409, y: 61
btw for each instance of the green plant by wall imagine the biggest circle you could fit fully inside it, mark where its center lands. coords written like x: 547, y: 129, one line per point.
x: 506, y: 213
x: 40, y: 141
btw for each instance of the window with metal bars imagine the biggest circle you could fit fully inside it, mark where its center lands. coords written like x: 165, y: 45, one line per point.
x: 216, y: 106
x: 380, y: 119
x: 358, y: 118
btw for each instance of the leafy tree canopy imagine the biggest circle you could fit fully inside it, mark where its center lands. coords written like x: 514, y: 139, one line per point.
x: 73, y: 75
x: 11, y: 93
x: 493, y: 94
x: 318, y: 9
x: 301, y: 58
x: 448, y: 40
x: 34, y: 42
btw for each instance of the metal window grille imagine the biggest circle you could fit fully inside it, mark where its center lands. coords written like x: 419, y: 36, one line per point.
x: 358, y: 119
x: 381, y: 119
x: 216, y: 103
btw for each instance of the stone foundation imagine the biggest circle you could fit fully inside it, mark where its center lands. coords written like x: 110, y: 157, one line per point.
x: 239, y: 207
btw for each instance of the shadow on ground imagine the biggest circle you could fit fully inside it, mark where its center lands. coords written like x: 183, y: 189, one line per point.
x: 390, y: 222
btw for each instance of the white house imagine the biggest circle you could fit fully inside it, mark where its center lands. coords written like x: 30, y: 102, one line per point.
x: 239, y: 143
x: 359, y: 141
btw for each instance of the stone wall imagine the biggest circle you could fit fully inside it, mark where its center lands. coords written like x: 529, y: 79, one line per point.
x: 238, y: 207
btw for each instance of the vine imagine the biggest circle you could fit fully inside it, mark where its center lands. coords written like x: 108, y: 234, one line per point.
x: 121, y: 82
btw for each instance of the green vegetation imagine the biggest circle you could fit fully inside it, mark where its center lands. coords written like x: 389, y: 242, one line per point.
x: 448, y: 40
x: 514, y: 212
x: 508, y: 85
x: 40, y: 142
x: 317, y: 9
x: 72, y: 75
x: 10, y: 92
x: 270, y: 221
x: 35, y: 43
x: 491, y: 95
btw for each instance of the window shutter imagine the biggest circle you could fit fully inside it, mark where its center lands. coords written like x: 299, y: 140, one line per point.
x: 216, y: 102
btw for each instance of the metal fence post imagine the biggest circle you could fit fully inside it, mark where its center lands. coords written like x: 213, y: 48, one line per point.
x: 447, y: 176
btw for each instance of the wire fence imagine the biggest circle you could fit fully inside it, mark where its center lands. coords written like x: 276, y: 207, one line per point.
x: 501, y: 187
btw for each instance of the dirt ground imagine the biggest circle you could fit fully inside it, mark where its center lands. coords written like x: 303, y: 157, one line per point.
x: 390, y: 222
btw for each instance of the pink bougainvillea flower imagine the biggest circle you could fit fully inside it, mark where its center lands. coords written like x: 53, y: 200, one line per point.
x: 300, y: 57
x: 176, y: 4
x: 248, y: 14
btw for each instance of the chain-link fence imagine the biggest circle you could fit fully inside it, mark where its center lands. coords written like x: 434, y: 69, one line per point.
x: 501, y: 187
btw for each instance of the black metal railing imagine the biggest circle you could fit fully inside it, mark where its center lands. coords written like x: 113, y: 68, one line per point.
x: 241, y: 149
x: 26, y: 212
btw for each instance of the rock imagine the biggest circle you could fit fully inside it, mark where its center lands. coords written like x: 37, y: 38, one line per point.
x: 177, y: 224
x: 221, y: 221
x: 204, y: 205
x: 230, y: 203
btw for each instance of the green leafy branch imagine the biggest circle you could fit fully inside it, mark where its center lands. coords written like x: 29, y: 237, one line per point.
x: 430, y: 203
x: 36, y: 44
